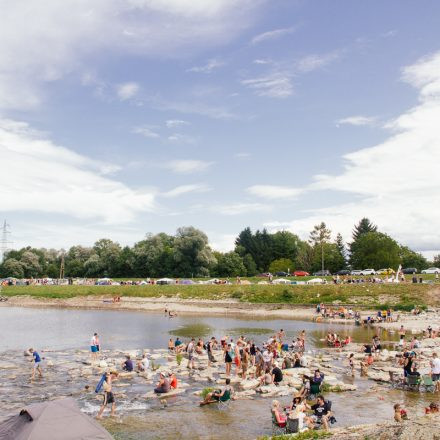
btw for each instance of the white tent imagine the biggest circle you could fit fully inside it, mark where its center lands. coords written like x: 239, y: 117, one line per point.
x: 281, y: 281
x: 315, y: 281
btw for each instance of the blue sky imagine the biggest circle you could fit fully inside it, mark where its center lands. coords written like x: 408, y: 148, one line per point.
x: 119, y: 118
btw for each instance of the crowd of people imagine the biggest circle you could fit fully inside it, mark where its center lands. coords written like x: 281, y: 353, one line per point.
x: 245, y: 359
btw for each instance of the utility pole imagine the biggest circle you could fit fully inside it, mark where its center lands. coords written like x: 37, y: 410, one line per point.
x: 5, y: 243
x: 62, y: 266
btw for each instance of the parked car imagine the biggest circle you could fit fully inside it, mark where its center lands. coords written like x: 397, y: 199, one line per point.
x: 356, y: 272
x: 388, y: 271
x: 410, y: 270
x: 282, y: 274
x: 264, y: 275
x: 368, y: 272
x: 431, y: 270
x: 322, y: 273
x: 301, y: 273
x: 344, y: 272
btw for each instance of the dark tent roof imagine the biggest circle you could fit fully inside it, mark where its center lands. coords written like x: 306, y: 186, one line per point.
x: 53, y: 420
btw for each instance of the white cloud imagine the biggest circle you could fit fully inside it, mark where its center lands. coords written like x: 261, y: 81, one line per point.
x: 127, y: 90
x: 262, y: 61
x: 313, y: 62
x: 240, y: 208
x: 58, y: 38
x: 174, y: 123
x: 242, y: 155
x: 208, y: 67
x: 357, y: 120
x: 274, y: 191
x: 187, y: 166
x: 273, y: 85
x: 146, y: 131
x: 185, y: 189
x: 181, y: 138
x: 196, y: 108
x: 395, y: 183
x: 222, y: 242
x: 272, y: 35
x: 47, y: 178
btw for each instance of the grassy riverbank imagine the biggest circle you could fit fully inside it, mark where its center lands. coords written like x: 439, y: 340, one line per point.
x: 399, y: 297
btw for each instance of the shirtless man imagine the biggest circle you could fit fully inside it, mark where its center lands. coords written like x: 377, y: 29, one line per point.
x: 108, y: 394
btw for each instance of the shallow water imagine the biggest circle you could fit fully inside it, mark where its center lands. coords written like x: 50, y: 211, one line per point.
x: 182, y: 418
x: 61, y: 329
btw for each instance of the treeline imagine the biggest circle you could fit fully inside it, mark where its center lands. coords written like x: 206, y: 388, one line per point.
x: 187, y: 254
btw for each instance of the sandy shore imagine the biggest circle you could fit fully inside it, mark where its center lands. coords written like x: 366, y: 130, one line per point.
x: 214, y: 307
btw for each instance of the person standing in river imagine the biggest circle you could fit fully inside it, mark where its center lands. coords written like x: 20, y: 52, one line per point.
x: 94, y: 346
x: 108, y: 394
x: 36, y: 359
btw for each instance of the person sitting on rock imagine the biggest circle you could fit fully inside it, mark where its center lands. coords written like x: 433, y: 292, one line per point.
x: 219, y: 395
x: 143, y: 364
x: 127, y: 365
x: 173, y: 380
x: 277, y: 375
x: 266, y: 377
x: 163, y: 386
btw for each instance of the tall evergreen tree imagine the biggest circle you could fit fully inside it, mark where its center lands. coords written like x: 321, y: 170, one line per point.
x: 341, y: 249
x: 319, y: 236
x: 363, y: 227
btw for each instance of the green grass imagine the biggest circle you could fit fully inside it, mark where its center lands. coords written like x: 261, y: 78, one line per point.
x: 374, y: 296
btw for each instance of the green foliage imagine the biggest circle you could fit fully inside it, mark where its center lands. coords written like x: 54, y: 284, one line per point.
x: 205, y: 392
x: 319, y: 237
x: 409, y: 258
x: 375, y: 250
x: 229, y: 265
x: 282, y: 265
x: 264, y: 247
x: 307, y: 435
x: 363, y: 227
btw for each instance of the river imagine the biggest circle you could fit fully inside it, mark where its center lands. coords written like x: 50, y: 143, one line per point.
x: 181, y: 418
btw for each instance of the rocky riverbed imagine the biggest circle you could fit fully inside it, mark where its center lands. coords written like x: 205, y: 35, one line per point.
x: 71, y: 373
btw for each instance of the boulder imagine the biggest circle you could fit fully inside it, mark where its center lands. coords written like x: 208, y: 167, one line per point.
x: 249, y: 384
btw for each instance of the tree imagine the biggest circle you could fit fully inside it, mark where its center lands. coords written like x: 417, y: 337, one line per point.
x: 285, y: 245
x: 436, y: 260
x: 363, y: 227
x: 108, y: 252
x: 304, y: 259
x: 282, y: 265
x: 192, y: 254
x: 375, y: 250
x: 249, y: 264
x: 342, y: 251
x: 319, y: 236
x: 12, y: 268
x: 409, y: 258
x: 229, y: 265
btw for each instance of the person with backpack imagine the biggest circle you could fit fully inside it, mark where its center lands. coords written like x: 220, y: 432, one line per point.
x: 109, y: 398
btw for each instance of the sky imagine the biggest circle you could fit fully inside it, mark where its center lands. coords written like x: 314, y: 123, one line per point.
x: 123, y: 117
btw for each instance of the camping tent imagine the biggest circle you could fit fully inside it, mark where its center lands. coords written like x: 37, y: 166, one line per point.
x: 281, y: 281
x: 316, y: 281
x: 53, y: 420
